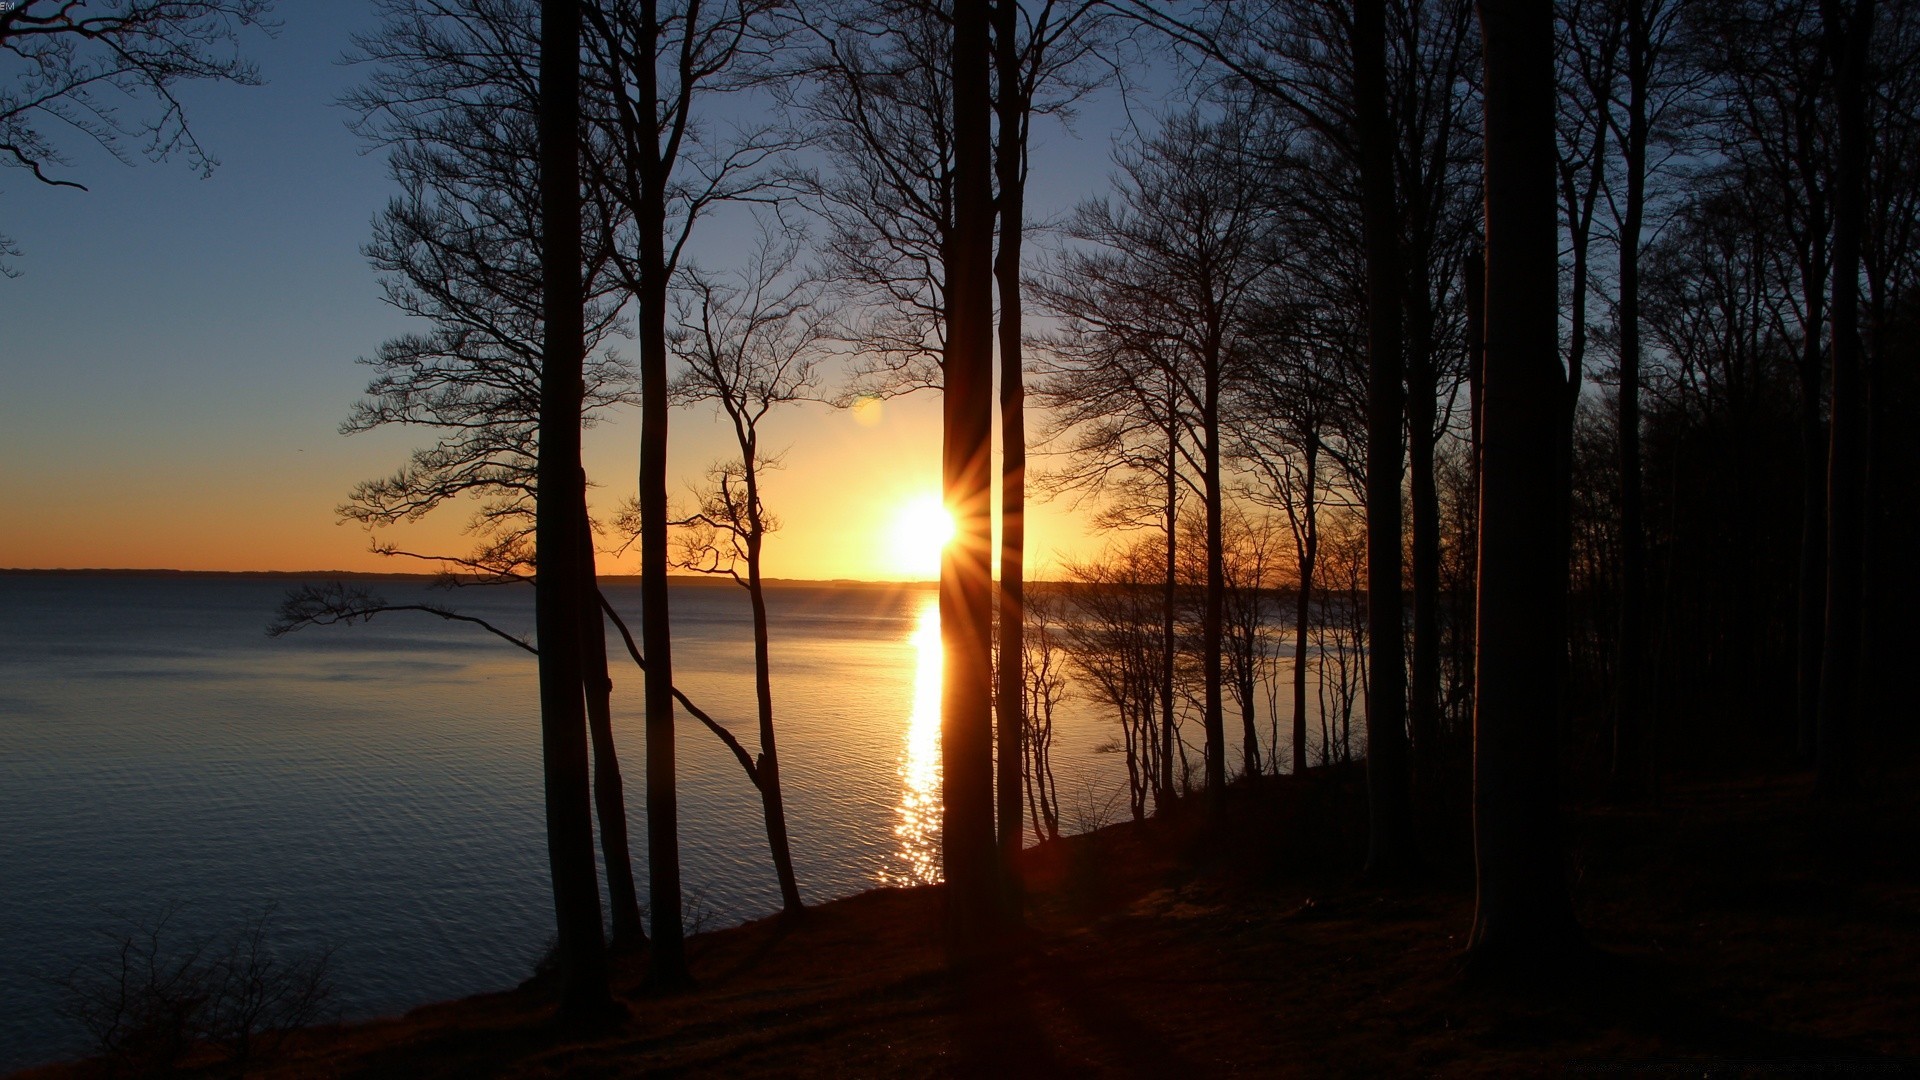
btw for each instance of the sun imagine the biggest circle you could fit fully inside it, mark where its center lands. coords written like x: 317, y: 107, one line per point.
x: 922, y: 528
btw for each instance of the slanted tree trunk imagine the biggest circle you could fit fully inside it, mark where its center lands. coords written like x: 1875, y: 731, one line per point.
x: 667, y: 960
x: 609, y: 793
x: 558, y: 501
x: 1390, y: 850
x: 1523, y: 917
x: 1011, y: 162
x: 767, y: 767
x: 966, y: 574
x: 1848, y: 28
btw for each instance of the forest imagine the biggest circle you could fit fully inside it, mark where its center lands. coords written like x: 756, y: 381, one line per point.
x: 1496, y: 413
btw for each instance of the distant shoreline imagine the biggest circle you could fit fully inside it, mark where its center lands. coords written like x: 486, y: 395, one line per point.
x: 370, y: 575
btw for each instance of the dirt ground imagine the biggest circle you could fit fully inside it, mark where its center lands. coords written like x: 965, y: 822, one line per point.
x: 1734, y: 932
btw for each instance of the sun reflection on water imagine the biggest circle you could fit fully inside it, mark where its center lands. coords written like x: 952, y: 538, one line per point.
x: 917, y: 862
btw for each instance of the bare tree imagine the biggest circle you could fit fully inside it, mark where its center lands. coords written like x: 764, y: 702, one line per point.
x: 748, y: 347
x: 453, y: 97
x: 664, y: 168
x: 1045, y: 685
x: 1848, y: 27
x: 1523, y: 918
x: 1115, y: 647
x: 112, y: 76
x: 1179, y: 254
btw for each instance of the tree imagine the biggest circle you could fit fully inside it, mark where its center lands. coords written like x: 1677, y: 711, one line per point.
x: 455, y: 102
x: 747, y: 348
x: 1161, y: 307
x: 1033, y: 47
x: 80, y: 69
x: 1849, y: 33
x: 1646, y: 62
x: 659, y: 164
x: 1390, y: 850
x: 975, y: 908
x: 559, y: 598
x: 1523, y: 918
x: 1767, y: 104
x: 1325, y: 66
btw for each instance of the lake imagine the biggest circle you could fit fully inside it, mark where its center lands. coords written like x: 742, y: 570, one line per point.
x: 380, y: 784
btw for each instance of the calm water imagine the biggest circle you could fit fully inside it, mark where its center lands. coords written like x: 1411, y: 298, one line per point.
x: 381, y: 783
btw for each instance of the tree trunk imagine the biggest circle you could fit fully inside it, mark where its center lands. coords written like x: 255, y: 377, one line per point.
x: 667, y: 960
x: 1012, y: 108
x: 559, y: 498
x: 1848, y: 33
x: 1629, y: 717
x: 1812, y: 591
x: 1475, y: 269
x: 1215, y: 616
x: 1170, y: 654
x: 1309, y: 551
x: 609, y: 792
x: 1523, y: 917
x: 1390, y: 850
x: 1422, y: 407
x: 966, y: 574
x: 768, y: 765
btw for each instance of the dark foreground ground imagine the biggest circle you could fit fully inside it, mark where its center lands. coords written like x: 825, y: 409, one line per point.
x: 1735, y: 936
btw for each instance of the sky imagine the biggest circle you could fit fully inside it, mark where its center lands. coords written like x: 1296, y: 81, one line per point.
x: 177, y: 353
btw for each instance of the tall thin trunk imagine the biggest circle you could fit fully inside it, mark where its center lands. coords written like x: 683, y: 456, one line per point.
x: 772, y: 803
x: 1812, y: 598
x: 1309, y: 552
x: 558, y: 503
x: 667, y: 960
x: 609, y: 792
x: 1422, y: 407
x: 966, y: 574
x: 1246, y: 683
x: 1848, y: 33
x: 1011, y: 164
x: 1215, y: 616
x: 1390, y: 850
x: 1475, y: 271
x: 1629, y: 718
x: 1523, y: 916
x: 1170, y: 651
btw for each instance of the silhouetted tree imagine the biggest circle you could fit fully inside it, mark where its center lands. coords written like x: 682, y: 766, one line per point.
x: 749, y: 347
x: 1166, y: 294
x: 1390, y: 834
x: 1767, y: 114
x: 1648, y: 45
x: 975, y: 906
x: 1522, y: 916
x: 560, y: 598
x: 1848, y: 28
x: 664, y: 168
x: 455, y: 102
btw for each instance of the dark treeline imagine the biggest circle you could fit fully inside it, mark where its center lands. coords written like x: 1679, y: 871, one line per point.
x: 1505, y: 394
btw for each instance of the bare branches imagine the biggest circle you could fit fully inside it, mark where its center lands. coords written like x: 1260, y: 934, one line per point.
x: 337, y: 603
x: 112, y: 76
